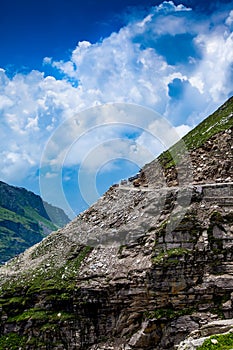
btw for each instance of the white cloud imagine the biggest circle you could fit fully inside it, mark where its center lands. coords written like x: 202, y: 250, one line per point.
x: 197, y: 82
x: 169, y: 6
x: 47, y: 60
x: 182, y: 130
x: 146, y: 20
x: 16, y: 165
x: 229, y: 20
x: 127, y: 66
x: 213, y: 71
x: 5, y: 102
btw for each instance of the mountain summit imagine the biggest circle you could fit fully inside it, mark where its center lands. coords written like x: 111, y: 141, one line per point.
x: 145, y: 267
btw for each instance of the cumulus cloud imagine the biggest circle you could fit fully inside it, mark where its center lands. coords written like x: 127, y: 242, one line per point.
x: 164, y: 61
x: 229, y: 20
x: 169, y: 6
x: 138, y: 63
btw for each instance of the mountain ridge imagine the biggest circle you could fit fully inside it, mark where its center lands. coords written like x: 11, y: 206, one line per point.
x: 24, y: 220
x: 121, y: 275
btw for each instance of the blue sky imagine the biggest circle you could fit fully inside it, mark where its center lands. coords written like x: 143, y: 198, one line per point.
x: 59, y: 58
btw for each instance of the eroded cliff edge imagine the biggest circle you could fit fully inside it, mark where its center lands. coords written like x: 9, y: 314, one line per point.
x: 155, y: 263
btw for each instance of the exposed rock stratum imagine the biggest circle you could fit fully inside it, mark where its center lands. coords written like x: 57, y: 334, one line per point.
x: 155, y: 264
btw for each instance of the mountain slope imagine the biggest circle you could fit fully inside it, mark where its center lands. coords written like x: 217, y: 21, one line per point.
x: 207, y: 149
x: 24, y: 220
x: 217, y: 122
x: 141, y: 268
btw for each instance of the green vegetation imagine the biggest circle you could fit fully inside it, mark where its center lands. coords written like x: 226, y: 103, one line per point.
x: 218, y: 342
x: 57, y: 281
x: 169, y: 256
x: 41, y: 315
x: 12, y: 341
x: 24, y: 220
x: 59, y: 278
x: 6, y: 214
x: 219, y: 121
x: 57, y: 285
x: 167, y: 313
x: 33, y: 214
x: 19, y: 232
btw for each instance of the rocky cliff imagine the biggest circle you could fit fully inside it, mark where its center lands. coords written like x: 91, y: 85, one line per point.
x: 24, y: 220
x: 143, y: 268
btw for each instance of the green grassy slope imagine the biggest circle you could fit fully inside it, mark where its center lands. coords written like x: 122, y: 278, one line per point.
x: 24, y: 220
x: 220, y: 120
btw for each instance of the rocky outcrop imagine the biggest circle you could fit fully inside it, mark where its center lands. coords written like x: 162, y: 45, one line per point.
x: 143, y: 268
x: 205, y: 154
x: 148, y: 294
x: 212, y: 162
x: 215, y: 329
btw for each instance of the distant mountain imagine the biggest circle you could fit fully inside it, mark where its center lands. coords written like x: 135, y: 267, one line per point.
x: 24, y: 220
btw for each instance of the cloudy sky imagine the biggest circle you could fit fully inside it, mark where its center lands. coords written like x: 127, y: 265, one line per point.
x: 85, y: 86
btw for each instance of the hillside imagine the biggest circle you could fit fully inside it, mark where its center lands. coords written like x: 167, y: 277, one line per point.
x: 143, y: 268
x: 207, y: 149
x: 24, y: 220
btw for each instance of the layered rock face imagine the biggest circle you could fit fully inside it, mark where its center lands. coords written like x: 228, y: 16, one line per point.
x: 212, y: 162
x: 141, y: 269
